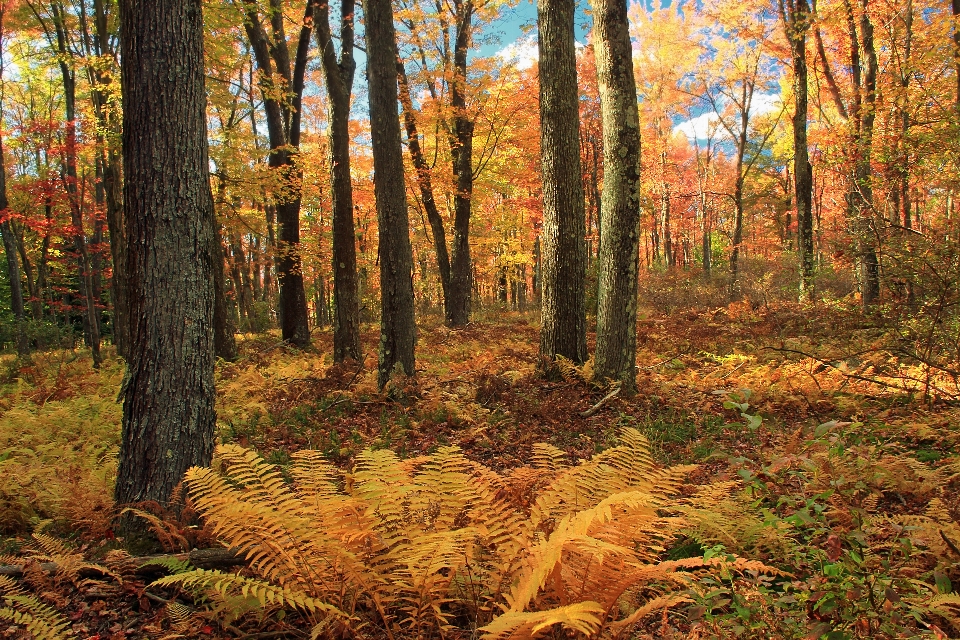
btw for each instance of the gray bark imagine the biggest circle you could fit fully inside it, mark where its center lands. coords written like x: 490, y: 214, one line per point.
x: 563, y: 252
x: 168, y: 393
x: 339, y: 78
x: 397, y: 327
x: 616, y: 353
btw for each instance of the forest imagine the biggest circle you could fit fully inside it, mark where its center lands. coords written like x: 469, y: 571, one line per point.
x: 480, y: 319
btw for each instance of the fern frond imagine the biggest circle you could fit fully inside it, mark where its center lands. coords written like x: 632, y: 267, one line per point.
x: 41, y: 621
x: 583, y: 617
x: 546, y: 456
x: 617, y: 628
x: 231, y: 584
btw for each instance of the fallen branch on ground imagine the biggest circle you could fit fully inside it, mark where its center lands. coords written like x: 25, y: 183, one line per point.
x: 216, y: 558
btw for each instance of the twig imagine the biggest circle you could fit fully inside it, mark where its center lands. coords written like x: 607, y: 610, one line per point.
x: 607, y: 398
x: 732, y: 371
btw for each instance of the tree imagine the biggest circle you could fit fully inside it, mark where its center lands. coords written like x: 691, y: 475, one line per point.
x: 563, y: 308
x: 338, y: 75
x: 282, y: 90
x: 616, y: 353
x: 6, y: 231
x: 168, y: 393
x: 738, y: 45
x: 57, y: 34
x: 397, y: 327
x: 796, y: 17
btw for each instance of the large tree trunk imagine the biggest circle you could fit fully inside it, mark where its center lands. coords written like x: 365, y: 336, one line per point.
x: 397, y: 326
x: 796, y: 22
x: 339, y: 78
x: 616, y: 353
x: 168, y: 393
x: 563, y: 310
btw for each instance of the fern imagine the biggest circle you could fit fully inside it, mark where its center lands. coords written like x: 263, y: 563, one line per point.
x: 411, y: 546
x: 40, y: 620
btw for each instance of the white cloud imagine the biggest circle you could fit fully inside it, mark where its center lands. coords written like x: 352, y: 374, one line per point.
x: 700, y: 126
x: 522, y: 52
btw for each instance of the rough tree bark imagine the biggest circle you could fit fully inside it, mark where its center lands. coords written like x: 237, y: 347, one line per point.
x: 616, y: 352
x: 796, y: 17
x: 563, y: 308
x: 168, y: 392
x: 863, y: 112
x: 397, y: 327
x: 339, y: 78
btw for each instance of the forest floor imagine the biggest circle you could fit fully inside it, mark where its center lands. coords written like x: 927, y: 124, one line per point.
x: 729, y: 389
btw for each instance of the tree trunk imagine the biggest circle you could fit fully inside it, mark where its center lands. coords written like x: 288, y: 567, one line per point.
x: 862, y: 192
x: 224, y: 342
x: 91, y: 319
x: 563, y: 311
x: 397, y: 327
x: 955, y: 5
x: 461, y: 270
x: 13, y: 270
x: 796, y: 17
x: 425, y: 185
x: 9, y: 244
x: 283, y: 129
x: 168, y: 393
x: 339, y: 79
x: 616, y: 353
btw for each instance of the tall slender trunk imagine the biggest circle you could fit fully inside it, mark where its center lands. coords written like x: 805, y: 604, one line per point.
x: 563, y: 310
x: 461, y: 271
x: 339, y: 78
x: 796, y: 17
x: 10, y: 249
x: 91, y: 319
x: 616, y: 353
x: 425, y: 186
x: 397, y: 326
x: 283, y: 128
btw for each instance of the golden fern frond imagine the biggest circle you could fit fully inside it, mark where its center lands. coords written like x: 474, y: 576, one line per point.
x: 546, y: 456
x: 582, y: 617
x: 627, y: 467
x: 313, y: 475
x: 445, y: 487
x: 40, y: 620
x: 568, y: 370
x: 543, y: 557
x: 617, y: 628
x: 68, y: 561
x: 261, y: 481
x: 937, y: 510
x: 181, y: 617
x: 231, y: 584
